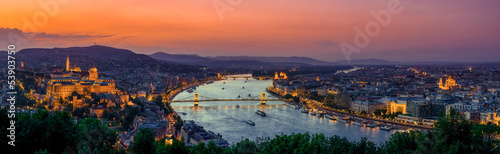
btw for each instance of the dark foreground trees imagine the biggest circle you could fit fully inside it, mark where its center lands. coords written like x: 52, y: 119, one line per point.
x: 56, y: 132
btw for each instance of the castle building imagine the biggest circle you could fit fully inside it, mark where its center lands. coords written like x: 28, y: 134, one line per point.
x: 65, y: 86
x: 449, y: 84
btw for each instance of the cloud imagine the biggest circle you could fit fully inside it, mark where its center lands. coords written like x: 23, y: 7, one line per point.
x: 56, y: 36
x: 325, y: 43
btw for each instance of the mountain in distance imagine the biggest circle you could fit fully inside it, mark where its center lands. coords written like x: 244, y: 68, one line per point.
x: 221, y: 62
x: 103, y: 57
x: 180, y: 58
x: 92, y: 51
x: 293, y: 59
x: 196, y: 59
x: 370, y: 61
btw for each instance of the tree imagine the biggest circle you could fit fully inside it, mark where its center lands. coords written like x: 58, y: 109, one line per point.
x: 41, y: 130
x: 130, y: 113
x: 81, y: 112
x: 380, y: 112
x: 144, y: 142
x: 178, y: 124
x: 95, y: 136
x: 453, y: 130
x: 363, y: 113
x: 177, y: 147
x: 402, y: 142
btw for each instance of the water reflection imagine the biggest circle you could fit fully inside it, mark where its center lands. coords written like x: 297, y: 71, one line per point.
x: 280, y: 118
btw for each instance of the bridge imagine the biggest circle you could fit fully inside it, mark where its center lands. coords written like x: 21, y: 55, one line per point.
x: 247, y: 76
x: 196, y: 99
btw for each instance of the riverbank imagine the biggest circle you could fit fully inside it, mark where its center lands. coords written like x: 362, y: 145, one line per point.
x: 174, y: 93
x: 319, y: 106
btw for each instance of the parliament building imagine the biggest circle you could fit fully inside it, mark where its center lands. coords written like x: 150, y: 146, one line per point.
x: 83, y: 85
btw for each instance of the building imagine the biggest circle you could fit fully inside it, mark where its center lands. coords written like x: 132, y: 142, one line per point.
x: 159, y: 128
x: 449, y: 84
x: 367, y: 104
x: 473, y: 116
x: 64, y: 87
x: 394, y: 106
x: 282, y: 76
x: 97, y: 111
x: 71, y: 69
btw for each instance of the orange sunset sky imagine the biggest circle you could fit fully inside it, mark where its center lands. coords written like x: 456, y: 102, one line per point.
x: 443, y: 30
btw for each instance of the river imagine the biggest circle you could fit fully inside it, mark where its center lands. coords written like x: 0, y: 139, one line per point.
x: 225, y: 118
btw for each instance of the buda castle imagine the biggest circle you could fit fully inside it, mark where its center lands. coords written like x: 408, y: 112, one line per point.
x: 73, y: 80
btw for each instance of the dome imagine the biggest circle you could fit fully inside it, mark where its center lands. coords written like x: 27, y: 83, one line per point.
x: 93, y: 69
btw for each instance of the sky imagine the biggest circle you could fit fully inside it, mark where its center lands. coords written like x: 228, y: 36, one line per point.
x: 417, y: 30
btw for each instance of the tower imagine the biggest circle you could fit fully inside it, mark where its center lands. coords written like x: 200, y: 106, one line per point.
x: 67, y: 63
x: 93, y: 74
x: 196, y: 100
x: 263, y: 98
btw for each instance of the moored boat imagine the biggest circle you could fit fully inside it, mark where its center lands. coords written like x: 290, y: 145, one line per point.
x: 357, y: 123
x: 333, y: 118
x: 386, y: 128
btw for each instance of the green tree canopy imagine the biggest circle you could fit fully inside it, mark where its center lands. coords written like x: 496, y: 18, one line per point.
x: 144, y: 142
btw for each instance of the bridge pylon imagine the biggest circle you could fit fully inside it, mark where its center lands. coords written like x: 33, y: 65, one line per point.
x: 196, y: 100
x: 263, y: 98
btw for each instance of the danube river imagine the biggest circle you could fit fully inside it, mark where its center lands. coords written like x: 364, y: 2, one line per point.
x: 225, y: 118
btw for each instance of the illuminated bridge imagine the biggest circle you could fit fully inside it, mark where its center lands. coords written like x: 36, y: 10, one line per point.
x: 196, y: 100
x: 247, y: 76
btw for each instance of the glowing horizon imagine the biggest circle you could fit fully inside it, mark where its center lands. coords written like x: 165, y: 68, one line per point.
x: 423, y: 31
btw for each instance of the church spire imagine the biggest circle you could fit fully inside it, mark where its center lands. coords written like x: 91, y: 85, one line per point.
x: 67, y: 62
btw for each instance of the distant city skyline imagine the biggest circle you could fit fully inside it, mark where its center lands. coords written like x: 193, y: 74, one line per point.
x: 459, y: 31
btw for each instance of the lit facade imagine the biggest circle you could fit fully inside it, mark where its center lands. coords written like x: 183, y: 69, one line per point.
x: 282, y: 76
x: 449, y: 84
x: 393, y: 107
x: 64, y: 87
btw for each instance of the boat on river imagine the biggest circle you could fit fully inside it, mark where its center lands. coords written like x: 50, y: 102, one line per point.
x: 261, y: 113
x: 250, y: 122
x: 190, y: 90
x: 320, y: 113
x: 386, y: 128
x: 357, y: 123
x: 333, y: 118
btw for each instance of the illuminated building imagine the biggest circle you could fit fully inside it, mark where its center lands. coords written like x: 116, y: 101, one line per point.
x: 393, y: 107
x: 282, y: 76
x: 449, y: 84
x: 65, y: 86
x: 71, y: 69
